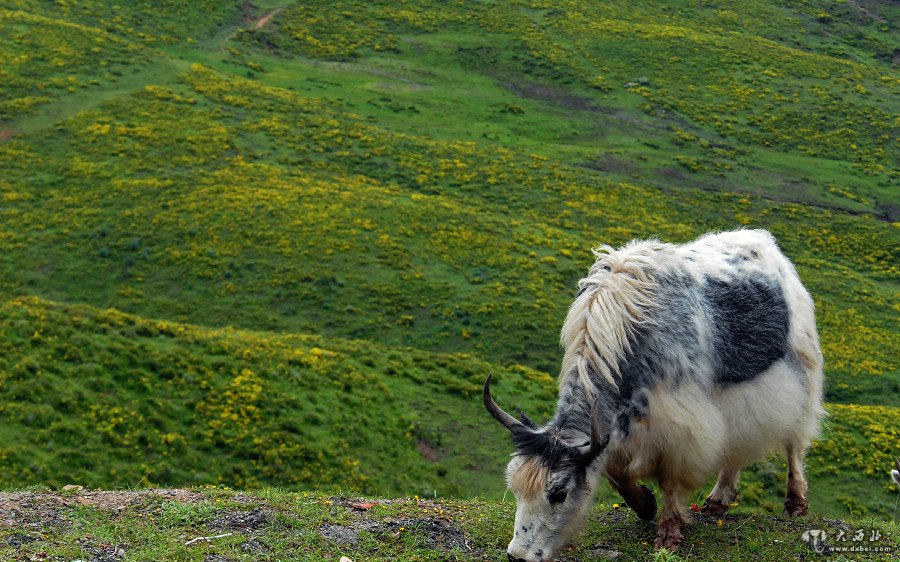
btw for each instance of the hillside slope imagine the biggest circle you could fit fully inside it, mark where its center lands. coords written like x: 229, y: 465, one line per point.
x: 288, y: 253
x: 221, y: 201
x: 100, y: 397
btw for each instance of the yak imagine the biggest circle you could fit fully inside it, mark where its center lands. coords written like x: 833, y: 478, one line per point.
x: 680, y: 361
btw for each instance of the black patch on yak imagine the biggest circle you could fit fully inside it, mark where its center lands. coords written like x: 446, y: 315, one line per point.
x: 750, y: 326
x: 748, y: 318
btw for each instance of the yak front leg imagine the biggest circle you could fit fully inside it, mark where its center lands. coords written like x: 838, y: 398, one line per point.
x: 638, y: 497
x: 670, y: 529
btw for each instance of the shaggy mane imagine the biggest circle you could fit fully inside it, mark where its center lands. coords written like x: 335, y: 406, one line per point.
x: 614, y: 300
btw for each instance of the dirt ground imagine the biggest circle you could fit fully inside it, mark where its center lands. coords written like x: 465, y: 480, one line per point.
x: 35, y: 510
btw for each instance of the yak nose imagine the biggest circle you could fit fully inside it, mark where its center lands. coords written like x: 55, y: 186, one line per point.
x: 514, y: 559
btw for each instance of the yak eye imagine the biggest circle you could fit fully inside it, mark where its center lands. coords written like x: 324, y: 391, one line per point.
x: 557, y: 496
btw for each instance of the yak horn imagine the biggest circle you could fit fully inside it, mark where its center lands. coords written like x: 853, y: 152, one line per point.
x: 599, y: 437
x: 507, y: 420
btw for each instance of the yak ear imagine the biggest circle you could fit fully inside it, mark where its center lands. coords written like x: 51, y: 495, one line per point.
x: 531, y: 442
x: 529, y: 423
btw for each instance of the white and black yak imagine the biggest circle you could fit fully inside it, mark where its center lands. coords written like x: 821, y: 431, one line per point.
x: 680, y: 362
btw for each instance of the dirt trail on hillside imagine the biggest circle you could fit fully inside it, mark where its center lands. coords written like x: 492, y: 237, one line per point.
x: 265, y: 19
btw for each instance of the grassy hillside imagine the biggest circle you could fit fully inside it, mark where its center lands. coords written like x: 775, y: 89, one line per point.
x: 221, y: 201
x: 274, y: 525
x: 731, y: 88
x: 117, y: 400
x: 156, y: 400
x: 296, y: 244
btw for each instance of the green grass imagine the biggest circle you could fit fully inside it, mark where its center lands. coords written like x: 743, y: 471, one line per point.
x: 308, y: 526
x: 191, y: 209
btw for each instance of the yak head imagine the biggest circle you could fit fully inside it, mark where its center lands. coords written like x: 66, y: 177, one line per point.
x: 552, y: 474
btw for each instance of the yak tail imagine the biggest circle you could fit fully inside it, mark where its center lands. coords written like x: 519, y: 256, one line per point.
x: 614, y: 302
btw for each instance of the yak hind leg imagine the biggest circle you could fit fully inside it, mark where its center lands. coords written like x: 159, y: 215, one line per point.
x: 670, y: 529
x: 723, y: 494
x: 795, y: 502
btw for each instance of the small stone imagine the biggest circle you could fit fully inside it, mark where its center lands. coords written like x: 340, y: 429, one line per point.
x: 72, y: 488
x: 255, y: 547
x: 606, y: 554
x: 340, y: 535
x: 217, y: 558
x: 241, y: 520
x: 345, y: 559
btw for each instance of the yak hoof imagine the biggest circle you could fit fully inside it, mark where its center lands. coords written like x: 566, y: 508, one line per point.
x: 795, y: 505
x: 646, y: 504
x: 714, y: 507
x: 668, y: 534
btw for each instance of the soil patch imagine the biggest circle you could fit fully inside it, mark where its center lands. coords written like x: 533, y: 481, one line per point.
x: 428, y: 451
x: 340, y: 534
x: 552, y: 94
x: 438, y: 532
x: 610, y: 164
x: 36, y: 510
x: 265, y: 19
